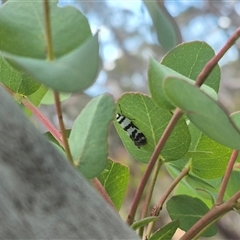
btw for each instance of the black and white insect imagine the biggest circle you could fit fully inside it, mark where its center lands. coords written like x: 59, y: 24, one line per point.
x: 134, y: 133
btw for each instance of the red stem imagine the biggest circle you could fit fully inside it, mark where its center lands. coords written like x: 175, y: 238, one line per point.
x: 56, y: 134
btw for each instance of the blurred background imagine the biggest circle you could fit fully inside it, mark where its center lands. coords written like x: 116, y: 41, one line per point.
x: 129, y: 34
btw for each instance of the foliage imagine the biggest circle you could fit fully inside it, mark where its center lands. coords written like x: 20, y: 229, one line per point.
x: 186, y: 128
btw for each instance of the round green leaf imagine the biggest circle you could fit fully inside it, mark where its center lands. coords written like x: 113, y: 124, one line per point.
x: 88, y: 138
x: 151, y: 121
x: 190, y: 58
x: 73, y: 72
x: 189, y: 210
x: 207, y: 196
x: 203, y: 112
x: 76, y: 62
x: 114, y: 179
x: 22, y: 28
x: 213, y: 164
x: 157, y: 73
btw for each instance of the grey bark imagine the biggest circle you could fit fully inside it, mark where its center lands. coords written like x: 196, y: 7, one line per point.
x: 41, y: 195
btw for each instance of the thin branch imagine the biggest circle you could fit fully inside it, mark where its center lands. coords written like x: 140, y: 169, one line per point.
x: 150, y: 192
x: 226, y: 177
x: 158, y: 207
x: 176, y: 116
x: 51, y: 128
x: 210, y: 216
x: 50, y: 57
x: 50, y: 52
x: 62, y: 128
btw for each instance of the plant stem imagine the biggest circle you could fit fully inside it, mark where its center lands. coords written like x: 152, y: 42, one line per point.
x: 176, y: 116
x: 150, y: 192
x: 158, y: 207
x: 210, y: 216
x: 43, y: 120
x: 62, y: 127
x: 226, y: 177
x: 50, y: 52
x: 50, y: 57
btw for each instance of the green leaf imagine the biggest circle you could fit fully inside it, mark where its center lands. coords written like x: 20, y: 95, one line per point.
x: 214, y: 163
x: 168, y: 33
x: 151, y: 121
x: 48, y: 98
x: 143, y: 222
x: 193, y: 185
x: 203, y: 112
x: 88, y: 138
x: 188, y: 211
x: 37, y: 96
x: 25, y: 36
x: 76, y: 62
x: 166, y: 232
x: 190, y: 58
x: 73, y: 72
x: 184, y: 188
x: 17, y: 81
x: 209, y: 158
x: 114, y: 179
x: 157, y: 73
x: 233, y: 184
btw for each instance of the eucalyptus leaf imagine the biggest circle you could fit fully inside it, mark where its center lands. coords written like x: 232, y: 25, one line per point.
x: 88, y: 138
x: 203, y: 112
x: 114, y: 179
x: 167, y: 32
x: 76, y: 59
x: 25, y: 36
x: 233, y: 184
x: 17, y: 81
x: 214, y: 163
x: 143, y: 222
x: 166, y: 232
x: 189, y: 58
x: 188, y: 211
x: 73, y: 72
x: 156, y: 75
x: 151, y: 121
